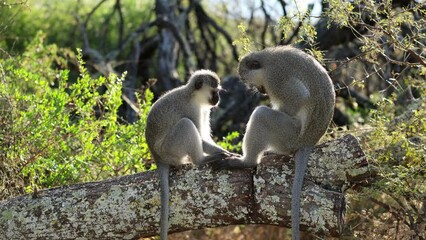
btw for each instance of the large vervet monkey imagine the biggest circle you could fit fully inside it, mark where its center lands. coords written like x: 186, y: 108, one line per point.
x: 302, y: 98
x: 178, y: 131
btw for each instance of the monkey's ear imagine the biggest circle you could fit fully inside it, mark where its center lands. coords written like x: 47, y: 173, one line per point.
x: 198, y: 84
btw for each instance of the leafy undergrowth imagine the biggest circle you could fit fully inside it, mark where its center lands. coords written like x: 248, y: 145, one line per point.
x: 394, y: 207
x: 57, y: 131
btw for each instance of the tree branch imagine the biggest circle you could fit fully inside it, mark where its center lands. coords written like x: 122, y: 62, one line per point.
x: 203, y: 17
x: 128, y: 207
x: 120, y: 24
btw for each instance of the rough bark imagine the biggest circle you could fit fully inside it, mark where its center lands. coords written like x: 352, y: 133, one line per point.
x: 128, y: 207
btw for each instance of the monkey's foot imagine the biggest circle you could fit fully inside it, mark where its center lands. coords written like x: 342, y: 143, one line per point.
x: 231, y: 162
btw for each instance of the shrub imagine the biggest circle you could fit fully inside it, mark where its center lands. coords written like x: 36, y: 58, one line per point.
x: 56, y: 132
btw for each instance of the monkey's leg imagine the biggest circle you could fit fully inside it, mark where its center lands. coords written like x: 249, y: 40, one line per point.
x: 182, y: 140
x: 266, y: 129
x: 217, y: 152
x: 211, y: 148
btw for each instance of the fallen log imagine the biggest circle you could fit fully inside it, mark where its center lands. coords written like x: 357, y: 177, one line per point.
x: 128, y: 207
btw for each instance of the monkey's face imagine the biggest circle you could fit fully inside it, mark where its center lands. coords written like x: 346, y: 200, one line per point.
x: 252, y: 72
x: 206, y: 93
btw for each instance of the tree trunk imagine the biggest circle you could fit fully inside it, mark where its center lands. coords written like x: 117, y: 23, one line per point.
x: 128, y: 207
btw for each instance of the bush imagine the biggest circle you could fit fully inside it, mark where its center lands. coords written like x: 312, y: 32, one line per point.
x: 58, y: 133
x: 395, y: 205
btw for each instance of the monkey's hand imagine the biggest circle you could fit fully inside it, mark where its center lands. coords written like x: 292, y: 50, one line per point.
x: 232, y: 162
x: 217, y: 157
x: 231, y: 155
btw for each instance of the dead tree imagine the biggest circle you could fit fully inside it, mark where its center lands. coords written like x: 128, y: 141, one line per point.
x: 128, y: 207
x: 172, y: 36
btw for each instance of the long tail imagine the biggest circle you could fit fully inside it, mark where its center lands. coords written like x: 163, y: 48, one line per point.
x: 163, y: 171
x: 301, y: 162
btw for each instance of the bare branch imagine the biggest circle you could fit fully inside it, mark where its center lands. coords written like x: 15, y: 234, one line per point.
x: 92, y: 12
x: 121, y: 23
x: 202, y: 16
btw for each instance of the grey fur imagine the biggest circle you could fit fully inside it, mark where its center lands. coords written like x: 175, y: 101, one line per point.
x: 302, y: 98
x: 178, y: 131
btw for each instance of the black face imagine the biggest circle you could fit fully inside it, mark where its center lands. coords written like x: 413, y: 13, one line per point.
x: 214, y: 97
x: 211, y: 82
x: 198, y: 84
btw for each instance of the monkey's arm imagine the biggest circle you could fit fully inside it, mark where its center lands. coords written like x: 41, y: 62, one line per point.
x: 211, y: 148
x: 218, y: 153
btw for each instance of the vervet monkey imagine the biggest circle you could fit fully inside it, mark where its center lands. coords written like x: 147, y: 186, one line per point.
x: 178, y: 131
x: 302, y: 98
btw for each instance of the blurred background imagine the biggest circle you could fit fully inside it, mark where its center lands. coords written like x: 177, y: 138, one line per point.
x: 78, y: 78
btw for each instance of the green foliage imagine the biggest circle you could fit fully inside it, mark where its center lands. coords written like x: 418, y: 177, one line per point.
x: 65, y: 133
x: 341, y: 12
x: 244, y: 41
x: 397, y: 147
x: 391, y: 31
x: 387, y: 34
x: 398, y: 144
x: 62, y: 24
x: 297, y: 28
x: 231, y: 142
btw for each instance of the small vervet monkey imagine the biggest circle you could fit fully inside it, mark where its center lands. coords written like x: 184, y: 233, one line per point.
x: 178, y: 131
x: 302, y: 98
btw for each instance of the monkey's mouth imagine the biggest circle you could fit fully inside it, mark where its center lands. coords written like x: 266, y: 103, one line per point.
x: 261, y: 89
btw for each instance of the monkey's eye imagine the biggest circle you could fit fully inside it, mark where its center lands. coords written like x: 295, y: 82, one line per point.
x: 253, y: 64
